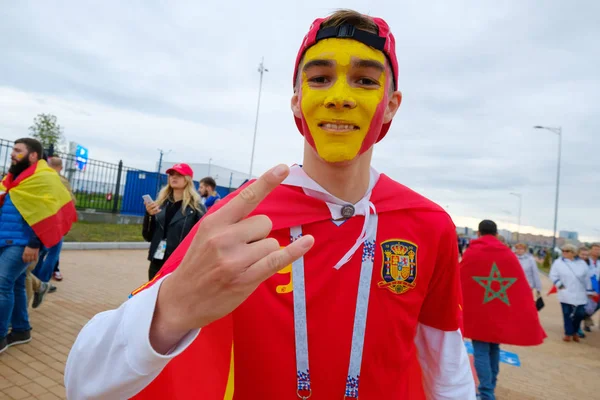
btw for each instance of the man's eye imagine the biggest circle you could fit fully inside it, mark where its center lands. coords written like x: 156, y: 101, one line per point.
x: 367, y: 82
x: 318, y: 79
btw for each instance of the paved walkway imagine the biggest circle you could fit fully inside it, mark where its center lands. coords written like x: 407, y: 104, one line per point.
x: 99, y: 280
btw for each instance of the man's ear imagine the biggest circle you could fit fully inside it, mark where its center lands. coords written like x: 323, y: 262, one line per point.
x: 392, y: 106
x: 295, y: 105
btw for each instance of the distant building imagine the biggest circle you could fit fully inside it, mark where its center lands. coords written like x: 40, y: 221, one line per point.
x: 528, y: 238
x: 569, y: 235
x: 467, y: 232
x: 508, y: 235
x: 538, y: 240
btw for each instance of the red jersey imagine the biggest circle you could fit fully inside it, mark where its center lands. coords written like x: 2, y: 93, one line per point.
x: 250, y: 354
x: 497, y: 300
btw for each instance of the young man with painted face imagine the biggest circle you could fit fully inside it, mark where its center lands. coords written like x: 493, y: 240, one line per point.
x: 325, y: 280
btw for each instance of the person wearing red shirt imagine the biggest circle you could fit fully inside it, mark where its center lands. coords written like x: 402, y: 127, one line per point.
x: 498, y: 304
x: 323, y: 280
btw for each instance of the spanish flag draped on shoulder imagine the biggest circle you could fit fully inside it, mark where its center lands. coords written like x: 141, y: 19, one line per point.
x: 42, y: 200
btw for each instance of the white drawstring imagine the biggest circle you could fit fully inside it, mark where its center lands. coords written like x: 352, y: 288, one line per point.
x: 298, y: 177
x: 361, y: 238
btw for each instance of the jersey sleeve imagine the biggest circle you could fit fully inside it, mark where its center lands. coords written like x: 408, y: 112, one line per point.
x: 444, y: 364
x: 441, y: 307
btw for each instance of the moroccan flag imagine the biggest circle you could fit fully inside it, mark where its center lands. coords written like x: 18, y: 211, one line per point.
x: 498, y: 305
x: 255, y: 344
x: 43, y: 202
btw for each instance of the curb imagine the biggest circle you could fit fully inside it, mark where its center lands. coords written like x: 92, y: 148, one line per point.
x: 105, y: 246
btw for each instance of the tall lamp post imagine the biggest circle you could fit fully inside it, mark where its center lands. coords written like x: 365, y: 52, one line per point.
x: 520, y: 208
x: 261, y: 70
x: 160, y: 159
x: 558, y: 131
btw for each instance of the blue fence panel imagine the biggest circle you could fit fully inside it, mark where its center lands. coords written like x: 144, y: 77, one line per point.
x: 223, y: 191
x: 137, y: 184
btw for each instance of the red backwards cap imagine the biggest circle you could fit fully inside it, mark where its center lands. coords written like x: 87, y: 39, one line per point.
x: 384, y: 42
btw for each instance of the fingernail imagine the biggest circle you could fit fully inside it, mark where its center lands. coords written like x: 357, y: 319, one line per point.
x: 280, y: 170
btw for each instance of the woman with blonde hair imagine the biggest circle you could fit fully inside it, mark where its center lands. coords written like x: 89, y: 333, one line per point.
x: 170, y: 218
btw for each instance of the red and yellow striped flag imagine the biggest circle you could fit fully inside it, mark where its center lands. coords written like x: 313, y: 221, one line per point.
x: 43, y: 202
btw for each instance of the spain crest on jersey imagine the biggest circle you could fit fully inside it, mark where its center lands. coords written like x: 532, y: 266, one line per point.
x: 399, y: 266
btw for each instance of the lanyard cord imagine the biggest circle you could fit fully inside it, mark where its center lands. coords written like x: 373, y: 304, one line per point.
x: 304, y: 389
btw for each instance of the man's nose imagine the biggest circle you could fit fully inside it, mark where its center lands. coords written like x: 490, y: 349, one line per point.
x: 340, y: 98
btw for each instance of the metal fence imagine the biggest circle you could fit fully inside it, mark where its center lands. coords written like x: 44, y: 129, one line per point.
x: 103, y: 186
x: 99, y: 187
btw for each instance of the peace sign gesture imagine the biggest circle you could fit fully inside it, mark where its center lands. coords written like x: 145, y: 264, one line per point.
x: 226, y: 261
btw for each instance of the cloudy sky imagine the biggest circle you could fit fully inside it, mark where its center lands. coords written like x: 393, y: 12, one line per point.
x: 127, y: 78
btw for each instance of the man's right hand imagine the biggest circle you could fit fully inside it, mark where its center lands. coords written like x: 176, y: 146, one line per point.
x: 30, y: 255
x: 152, y: 208
x: 226, y: 261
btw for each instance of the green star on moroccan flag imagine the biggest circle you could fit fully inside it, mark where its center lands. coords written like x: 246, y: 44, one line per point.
x: 503, y: 284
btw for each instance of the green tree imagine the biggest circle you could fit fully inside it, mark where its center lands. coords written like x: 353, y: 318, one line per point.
x: 547, y: 261
x: 46, y: 129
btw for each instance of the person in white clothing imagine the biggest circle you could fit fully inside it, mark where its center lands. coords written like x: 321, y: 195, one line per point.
x: 572, y: 279
x: 594, y: 259
x: 529, y: 266
x: 592, y: 306
x: 345, y: 97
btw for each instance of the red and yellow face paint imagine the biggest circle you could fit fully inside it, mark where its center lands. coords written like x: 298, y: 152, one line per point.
x: 344, y: 93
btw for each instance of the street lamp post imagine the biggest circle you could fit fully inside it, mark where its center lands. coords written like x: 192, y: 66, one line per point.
x: 209, y: 162
x: 520, y: 209
x: 160, y: 159
x: 261, y: 70
x: 558, y: 131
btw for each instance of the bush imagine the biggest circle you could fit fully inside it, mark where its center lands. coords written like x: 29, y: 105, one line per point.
x: 547, y: 261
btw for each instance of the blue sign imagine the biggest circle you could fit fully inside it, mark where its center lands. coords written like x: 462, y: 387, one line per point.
x: 81, y: 157
x: 505, y: 356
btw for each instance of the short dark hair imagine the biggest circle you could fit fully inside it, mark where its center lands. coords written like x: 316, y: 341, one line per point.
x: 209, y: 181
x: 359, y: 21
x: 33, y: 146
x: 488, y: 227
x: 345, y: 16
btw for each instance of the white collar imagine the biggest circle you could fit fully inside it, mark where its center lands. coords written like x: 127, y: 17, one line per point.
x: 299, y: 178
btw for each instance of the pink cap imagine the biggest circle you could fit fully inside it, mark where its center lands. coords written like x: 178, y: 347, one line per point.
x: 182, y: 169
